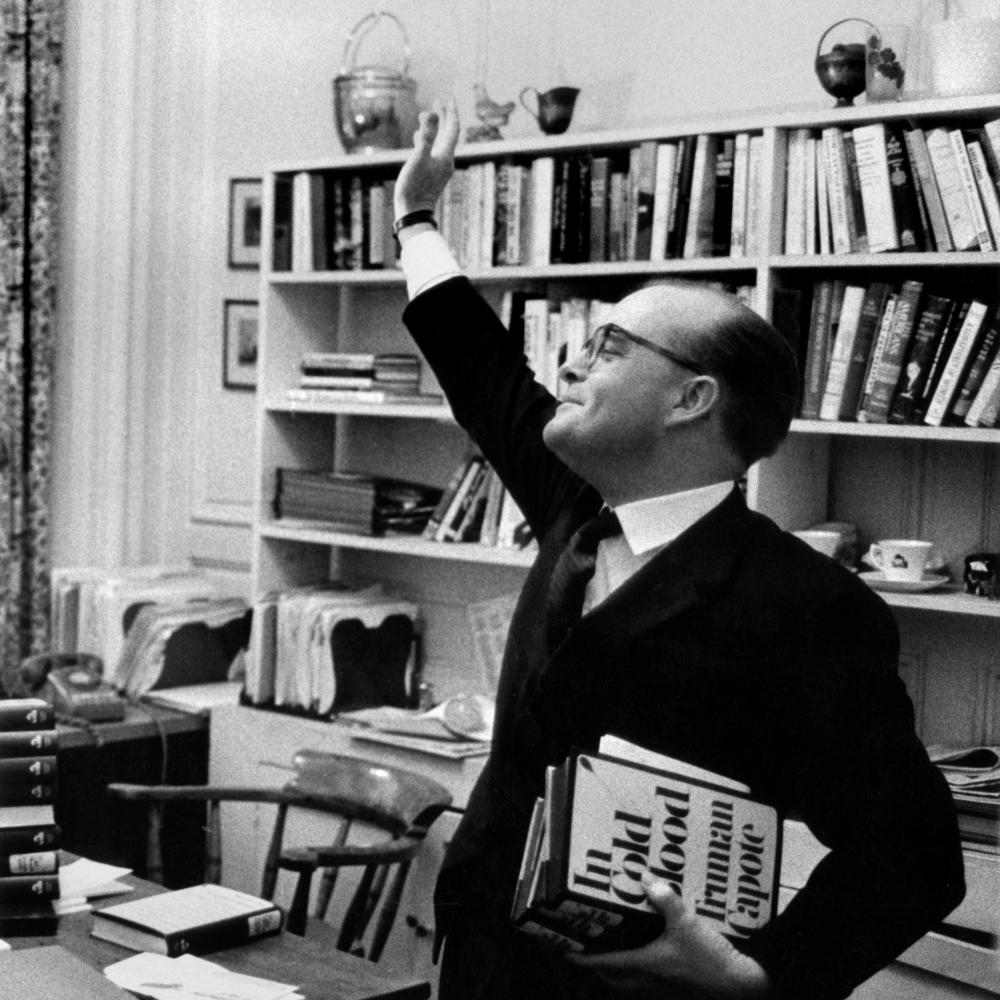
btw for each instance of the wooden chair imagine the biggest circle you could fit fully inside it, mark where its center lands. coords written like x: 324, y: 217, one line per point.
x: 360, y: 795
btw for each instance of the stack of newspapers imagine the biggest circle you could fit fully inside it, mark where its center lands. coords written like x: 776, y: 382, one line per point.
x: 608, y: 818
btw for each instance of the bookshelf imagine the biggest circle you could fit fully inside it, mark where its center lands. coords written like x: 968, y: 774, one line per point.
x: 892, y: 480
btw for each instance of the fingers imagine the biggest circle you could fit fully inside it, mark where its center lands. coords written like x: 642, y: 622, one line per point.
x: 427, y: 131
x: 447, y: 135
x: 662, y: 896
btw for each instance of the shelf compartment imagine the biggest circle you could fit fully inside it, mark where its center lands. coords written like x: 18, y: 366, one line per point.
x: 919, y: 432
x: 407, y: 411
x: 316, y: 533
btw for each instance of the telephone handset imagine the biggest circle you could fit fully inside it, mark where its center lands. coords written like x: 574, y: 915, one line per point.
x: 73, y: 683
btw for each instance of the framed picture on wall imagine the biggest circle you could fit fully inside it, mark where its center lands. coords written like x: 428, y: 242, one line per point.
x: 244, y: 222
x: 239, y: 344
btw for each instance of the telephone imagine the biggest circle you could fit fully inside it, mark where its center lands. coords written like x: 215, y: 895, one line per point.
x: 72, y: 683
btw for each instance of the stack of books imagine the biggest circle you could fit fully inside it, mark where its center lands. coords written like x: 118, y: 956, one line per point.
x: 355, y: 501
x: 608, y: 818
x: 29, y: 838
x: 887, y: 186
x: 888, y: 353
x: 973, y: 775
x: 358, y: 377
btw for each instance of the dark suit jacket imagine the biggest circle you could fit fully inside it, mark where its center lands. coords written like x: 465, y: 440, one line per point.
x: 737, y: 648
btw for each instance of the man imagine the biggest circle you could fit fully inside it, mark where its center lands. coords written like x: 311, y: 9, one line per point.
x: 706, y: 633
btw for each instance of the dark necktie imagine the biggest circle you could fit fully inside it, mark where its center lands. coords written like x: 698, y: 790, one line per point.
x: 573, y: 570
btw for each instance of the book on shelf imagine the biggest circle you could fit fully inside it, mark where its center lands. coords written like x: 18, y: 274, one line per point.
x: 453, y: 525
x: 824, y: 239
x: 936, y: 226
x: 541, y: 194
x: 754, y: 210
x: 981, y: 227
x: 951, y: 188
x: 888, y: 367
x: 842, y: 352
x: 722, y: 214
x: 701, y: 206
x: 281, y: 231
x: 28, y: 743
x: 29, y: 839
x: 817, y: 348
x: 33, y: 815
x: 680, y: 198
x: 796, y: 206
x: 741, y: 170
x: 812, y: 192
x: 910, y: 229
x: 26, y: 771
x: 23, y: 714
x: 600, y: 182
x: 837, y: 187
x: 919, y: 356
x: 855, y: 208
x: 33, y: 919
x: 642, y: 192
x: 956, y: 363
x: 28, y: 888
x: 942, y: 350
x: 986, y: 188
x: 200, y: 919
x: 872, y: 307
x: 984, y: 411
x: 876, y: 187
x: 983, y: 357
x: 32, y: 863
x: 609, y: 817
x: 666, y: 171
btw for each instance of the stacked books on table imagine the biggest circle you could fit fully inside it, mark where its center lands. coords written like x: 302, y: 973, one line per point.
x: 973, y: 775
x: 29, y: 837
x: 357, y: 377
x: 355, y: 501
x: 332, y: 647
x: 196, y: 920
x: 607, y: 818
x: 903, y: 353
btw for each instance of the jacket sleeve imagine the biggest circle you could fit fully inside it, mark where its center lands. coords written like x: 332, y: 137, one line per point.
x: 492, y: 393
x: 853, y: 768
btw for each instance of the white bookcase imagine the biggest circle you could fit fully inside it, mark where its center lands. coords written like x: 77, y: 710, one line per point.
x: 909, y: 481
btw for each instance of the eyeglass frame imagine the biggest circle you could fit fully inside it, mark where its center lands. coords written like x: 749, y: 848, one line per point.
x: 593, y: 344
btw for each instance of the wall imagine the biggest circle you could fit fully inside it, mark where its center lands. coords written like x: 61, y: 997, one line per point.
x: 166, y: 101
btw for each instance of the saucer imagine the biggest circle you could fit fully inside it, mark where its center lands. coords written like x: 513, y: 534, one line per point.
x: 876, y: 580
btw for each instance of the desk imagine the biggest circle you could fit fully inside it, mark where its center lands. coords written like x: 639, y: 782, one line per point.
x: 132, y: 750
x: 319, y: 972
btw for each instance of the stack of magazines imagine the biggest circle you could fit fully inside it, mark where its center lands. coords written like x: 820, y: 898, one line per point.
x: 345, y: 376
x: 355, y: 501
x: 973, y: 775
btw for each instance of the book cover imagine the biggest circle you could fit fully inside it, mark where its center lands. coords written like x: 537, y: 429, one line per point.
x: 916, y: 366
x: 987, y: 188
x: 920, y: 160
x: 701, y: 209
x: 447, y: 497
x: 29, y: 743
x: 681, y: 197
x: 33, y: 863
x: 458, y: 520
x: 29, y: 839
x: 20, y: 714
x: 956, y: 318
x: 642, y: 194
x: 837, y: 188
x: 814, y: 379
x: 27, y: 815
x: 722, y: 218
x: 890, y: 363
x: 600, y: 180
x: 199, y: 920
x: 22, y: 771
x: 878, y: 349
x: 842, y: 352
x: 452, y: 515
x: 517, y: 213
x: 38, y: 919
x: 542, y: 194
x: 876, y: 191
x: 580, y: 209
x: 872, y: 308
x: 903, y: 187
x: 498, y: 251
x: 983, y: 355
x: 795, y: 192
x: 561, y: 211
x: 951, y: 188
x: 985, y: 408
x: 956, y: 363
x: 610, y: 820
x: 754, y: 188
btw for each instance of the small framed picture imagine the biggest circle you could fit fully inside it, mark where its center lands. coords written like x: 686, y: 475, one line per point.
x: 244, y: 222
x: 239, y: 340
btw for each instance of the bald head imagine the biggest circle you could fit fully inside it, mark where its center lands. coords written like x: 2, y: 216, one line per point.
x: 714, y: 330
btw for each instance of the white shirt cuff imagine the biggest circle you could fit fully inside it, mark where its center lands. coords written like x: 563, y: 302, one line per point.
x: 427, y: 261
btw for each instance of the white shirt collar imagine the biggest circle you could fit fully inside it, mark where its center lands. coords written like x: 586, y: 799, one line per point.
x: 652, y: 523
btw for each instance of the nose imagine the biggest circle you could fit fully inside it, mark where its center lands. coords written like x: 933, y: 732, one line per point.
x: 574, y: 369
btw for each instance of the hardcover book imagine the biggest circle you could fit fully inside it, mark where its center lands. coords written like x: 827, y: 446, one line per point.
x: 30, y: 743
x: 606, y: 820
x: 722, y: 218
x: 20, y: 714
x: 917, y: 365
x: 199, y: 919
x: 909, y: 227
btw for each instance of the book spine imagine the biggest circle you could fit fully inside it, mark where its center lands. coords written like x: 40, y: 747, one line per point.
x: 28, y: 839
x: 600, y: 174
x: 984, y: 355
x: 842, y: 352
x: 460, y: 527
x: 444, y: 504
x: 223, y: 934
x: 498, y: 252
x: 916, y: 146
x: 878, y: 349
x: 741, y: 165
x: 618, y: 215
x: 855, y: 209
x: 666, y: 156
x: 20, y: 714
x: 952, y: 189
x: 29, y: 743
x: 698, y: 235
x: 918, y: 360
x: 903, y: 189
x: 836, y: 187
x: 816, y: 350
x: 956, y: 364
x: 687, y: 147
x: 795, y: 192
x: 487, y: 213
x: 876, y: 408
x: 452, y: 515
x: 28, y: 920
x: 985, y: 408
x: 722, y: 215
x: 986, y: 187
x: 21, y: 771
x: 542, y: 192
x: 876, y: 194
x: 26, y: 888
x: 812, y: 216
x: 754, y: 214
x: 281, y: 235
x: 980, y: 225
x: 946, y: 341
x: 34, y: 863
x: 871, y: 314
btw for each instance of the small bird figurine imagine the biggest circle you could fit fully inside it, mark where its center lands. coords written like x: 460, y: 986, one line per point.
x: 491, y: 114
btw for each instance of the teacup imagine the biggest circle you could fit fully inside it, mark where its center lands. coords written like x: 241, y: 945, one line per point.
x: 900, y: 558
x: 555, y: 108
x: 820, y: 540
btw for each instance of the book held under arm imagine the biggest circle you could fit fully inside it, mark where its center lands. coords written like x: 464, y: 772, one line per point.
x: 608, y: 818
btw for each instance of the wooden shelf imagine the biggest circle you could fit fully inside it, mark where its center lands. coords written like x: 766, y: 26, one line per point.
x: 952, y: 601
x: 316, y: 533
x: 406, y: 411
x: 919, y: 432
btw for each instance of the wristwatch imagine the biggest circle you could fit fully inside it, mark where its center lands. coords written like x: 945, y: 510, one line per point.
x: 411, y: 219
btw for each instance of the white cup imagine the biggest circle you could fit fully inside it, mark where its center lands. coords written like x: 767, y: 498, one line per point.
x: 900, y: 558
x: 820, y: 540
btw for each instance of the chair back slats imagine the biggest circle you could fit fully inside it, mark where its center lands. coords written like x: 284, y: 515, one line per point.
x: 400, y: 804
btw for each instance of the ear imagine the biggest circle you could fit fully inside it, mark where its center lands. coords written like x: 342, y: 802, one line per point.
x: 695, y: 399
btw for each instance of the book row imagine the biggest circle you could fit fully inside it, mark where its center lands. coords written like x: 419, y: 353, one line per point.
x: 885, y: 353
x: 332, y: 648
x: 332, y: 376
x: 29, y: 838
x: 887, y: 186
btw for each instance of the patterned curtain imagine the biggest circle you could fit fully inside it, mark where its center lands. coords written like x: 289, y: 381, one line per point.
x: 29, y: 133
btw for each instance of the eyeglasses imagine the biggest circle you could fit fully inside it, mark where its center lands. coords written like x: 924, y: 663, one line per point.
x: 595, y: 346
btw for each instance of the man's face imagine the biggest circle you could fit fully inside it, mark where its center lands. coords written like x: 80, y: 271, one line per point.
x: 617, y: 408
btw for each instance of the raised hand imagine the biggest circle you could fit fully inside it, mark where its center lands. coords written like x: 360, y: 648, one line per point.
x: 432, y: 161
x: 689, y: 959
